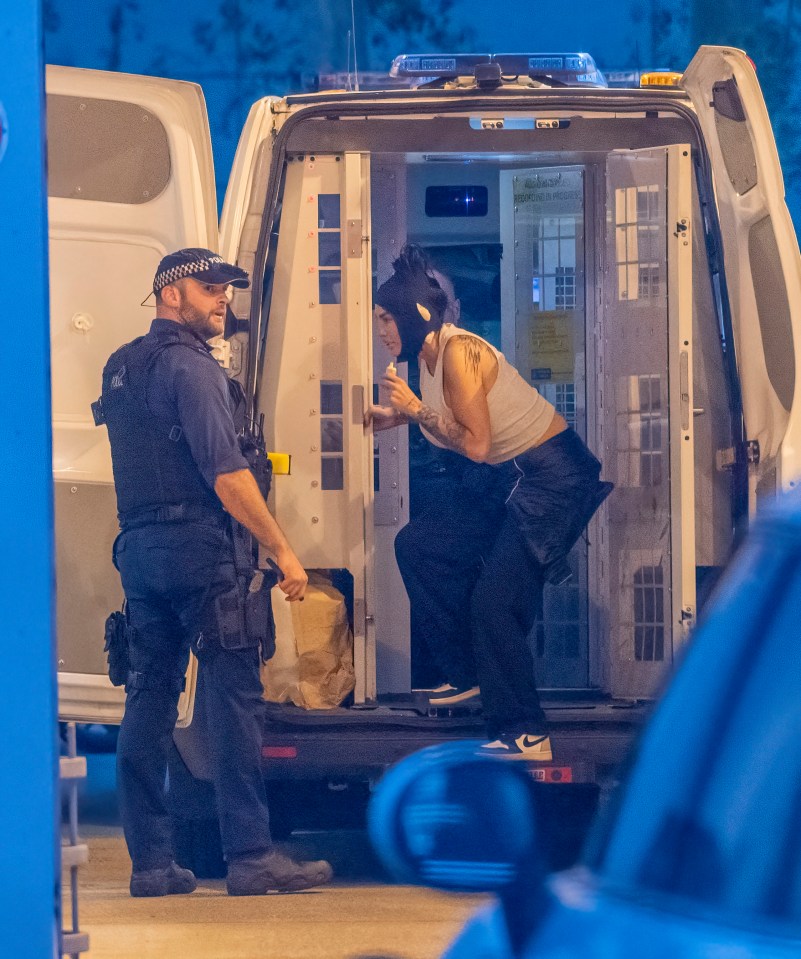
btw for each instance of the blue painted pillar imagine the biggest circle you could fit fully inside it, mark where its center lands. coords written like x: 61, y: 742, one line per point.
x: 28, y: 737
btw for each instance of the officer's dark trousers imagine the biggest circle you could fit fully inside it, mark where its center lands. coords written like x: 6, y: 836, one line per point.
x: 173, y: 576
x: 472, y: 566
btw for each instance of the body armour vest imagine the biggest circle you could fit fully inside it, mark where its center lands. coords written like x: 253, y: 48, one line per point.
x: 152, y: 462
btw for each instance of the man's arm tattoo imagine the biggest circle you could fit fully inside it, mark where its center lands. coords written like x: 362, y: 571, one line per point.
x: 473, y: 350
x: 442, y: 426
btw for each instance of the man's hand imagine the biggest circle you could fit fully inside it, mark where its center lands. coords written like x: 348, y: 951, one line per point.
x: 295, y: 580
x: 465, y: 427
x: 383, y: 418
x: 240, y: 496
x: 399, y: 395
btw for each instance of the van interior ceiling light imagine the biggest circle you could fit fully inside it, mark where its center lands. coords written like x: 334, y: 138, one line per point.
x: 551, y: 69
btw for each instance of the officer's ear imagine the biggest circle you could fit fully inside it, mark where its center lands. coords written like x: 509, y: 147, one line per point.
x: 171, y: 295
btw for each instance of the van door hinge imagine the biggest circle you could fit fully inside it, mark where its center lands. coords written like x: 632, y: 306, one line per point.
x: 354, y: 239
x: 746, y: 452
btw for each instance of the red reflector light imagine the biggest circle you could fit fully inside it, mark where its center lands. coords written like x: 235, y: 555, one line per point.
x: 552, y: 774
x: 279, y: 752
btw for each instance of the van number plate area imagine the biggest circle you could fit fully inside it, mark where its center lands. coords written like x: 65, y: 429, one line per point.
x: 551, y: 774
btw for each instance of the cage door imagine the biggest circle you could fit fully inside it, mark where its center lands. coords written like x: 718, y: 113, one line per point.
x: 543, y: 211
x: 645, y: 375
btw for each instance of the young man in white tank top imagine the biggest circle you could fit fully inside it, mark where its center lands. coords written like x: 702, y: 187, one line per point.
x: 474, y: 563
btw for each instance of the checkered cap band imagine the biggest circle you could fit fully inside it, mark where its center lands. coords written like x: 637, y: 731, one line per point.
x: 182, y: 270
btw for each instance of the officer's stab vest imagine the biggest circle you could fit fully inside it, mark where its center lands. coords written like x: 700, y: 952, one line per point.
x: 152, y: 462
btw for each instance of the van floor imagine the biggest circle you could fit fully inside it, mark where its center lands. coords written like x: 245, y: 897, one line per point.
x: 414, y: 709
x: 590, y: 737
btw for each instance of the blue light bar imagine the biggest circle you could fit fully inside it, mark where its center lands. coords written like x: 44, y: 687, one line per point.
x: 570, y: 69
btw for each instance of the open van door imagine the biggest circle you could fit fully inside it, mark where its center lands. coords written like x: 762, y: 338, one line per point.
x: 645, y: 418
x: 130, y: 178
x: 760, y: 252
x: 311, y: 362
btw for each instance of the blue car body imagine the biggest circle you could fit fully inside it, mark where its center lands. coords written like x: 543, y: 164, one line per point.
x: 699, y: 854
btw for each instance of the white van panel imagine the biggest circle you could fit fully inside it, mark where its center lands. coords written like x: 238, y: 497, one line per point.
x: 243, y: 209
x: 761, y: 254
x: 130, y: 178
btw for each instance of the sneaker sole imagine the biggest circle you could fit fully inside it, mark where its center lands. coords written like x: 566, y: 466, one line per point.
x: 453, y: 700
x: 541, y: 758
x: 530, y: 757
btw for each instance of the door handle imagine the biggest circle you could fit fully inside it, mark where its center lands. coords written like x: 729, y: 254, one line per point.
x: 684, y: 389
x: 357, y: 405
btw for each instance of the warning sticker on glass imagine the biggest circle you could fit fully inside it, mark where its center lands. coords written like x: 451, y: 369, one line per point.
x: 550, y: 347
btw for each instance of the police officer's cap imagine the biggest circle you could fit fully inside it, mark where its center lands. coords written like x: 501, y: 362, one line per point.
x: 199, y: 264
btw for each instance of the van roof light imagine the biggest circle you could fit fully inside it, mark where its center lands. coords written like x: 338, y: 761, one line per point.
x: 660, y: 78
x: 562, y: 69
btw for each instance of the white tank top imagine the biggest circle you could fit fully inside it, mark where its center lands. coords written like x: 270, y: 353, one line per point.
x: 519, y: 415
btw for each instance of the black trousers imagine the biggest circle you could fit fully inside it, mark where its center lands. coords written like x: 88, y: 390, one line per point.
x: 179, y: 579
x: 472, y: 563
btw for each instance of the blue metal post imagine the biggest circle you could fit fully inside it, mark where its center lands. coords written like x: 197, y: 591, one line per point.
x: 28, y: 738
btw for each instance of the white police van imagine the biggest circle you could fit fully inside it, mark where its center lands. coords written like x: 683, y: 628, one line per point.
x: 630, y: 251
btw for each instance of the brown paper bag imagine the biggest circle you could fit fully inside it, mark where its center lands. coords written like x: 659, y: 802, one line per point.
x: 313, y: 662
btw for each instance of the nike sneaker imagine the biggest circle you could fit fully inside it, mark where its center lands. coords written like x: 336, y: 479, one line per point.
x: 533, y: 747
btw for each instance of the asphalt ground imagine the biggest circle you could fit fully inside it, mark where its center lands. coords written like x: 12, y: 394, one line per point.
x: 360, y: 914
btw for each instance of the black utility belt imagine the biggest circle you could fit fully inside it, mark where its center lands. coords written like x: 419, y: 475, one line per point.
x: 171, y: 513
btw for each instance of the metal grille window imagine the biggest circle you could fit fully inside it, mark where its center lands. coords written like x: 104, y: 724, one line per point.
x: 649, y: 614
x: 332, y: 465
x: 329, y: 248
x: 641, y: 455
x: 554, y: 273
x: 565, y: 287
x: 638, y: 243
x: 644, y: 596
x: 563, y: 398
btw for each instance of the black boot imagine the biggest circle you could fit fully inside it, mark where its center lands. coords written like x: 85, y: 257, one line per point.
x: 274, y: 872
x: 170, y: 880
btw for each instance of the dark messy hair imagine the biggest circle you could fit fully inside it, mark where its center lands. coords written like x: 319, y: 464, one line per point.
x: 414, y: 299
x: 413, y: 262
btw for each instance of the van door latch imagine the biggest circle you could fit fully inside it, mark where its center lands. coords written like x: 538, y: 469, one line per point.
x: 746, y: 452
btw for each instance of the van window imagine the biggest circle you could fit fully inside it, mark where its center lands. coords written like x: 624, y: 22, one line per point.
x: 105, y: 150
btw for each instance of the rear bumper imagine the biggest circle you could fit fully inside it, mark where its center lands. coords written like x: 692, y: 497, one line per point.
x: 588, y: 743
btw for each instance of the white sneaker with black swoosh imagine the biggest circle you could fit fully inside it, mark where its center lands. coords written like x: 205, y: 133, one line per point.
x: 533, y: 747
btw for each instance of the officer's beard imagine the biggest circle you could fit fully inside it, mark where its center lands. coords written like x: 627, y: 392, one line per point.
x: 201, y: 324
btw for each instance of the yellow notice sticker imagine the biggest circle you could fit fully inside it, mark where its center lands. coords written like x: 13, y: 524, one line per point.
x: 547, y: 350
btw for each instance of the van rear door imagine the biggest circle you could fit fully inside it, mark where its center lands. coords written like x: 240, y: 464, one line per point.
x: 311, y: 363
x: 760, y: 252
x: 130, y: 178
x: 646, y: 553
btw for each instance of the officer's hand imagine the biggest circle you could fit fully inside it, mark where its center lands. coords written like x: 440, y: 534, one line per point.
x: 399, y: 395
x: 295, y: 577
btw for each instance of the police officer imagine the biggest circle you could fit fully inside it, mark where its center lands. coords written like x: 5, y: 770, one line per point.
x: 184, y: 493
